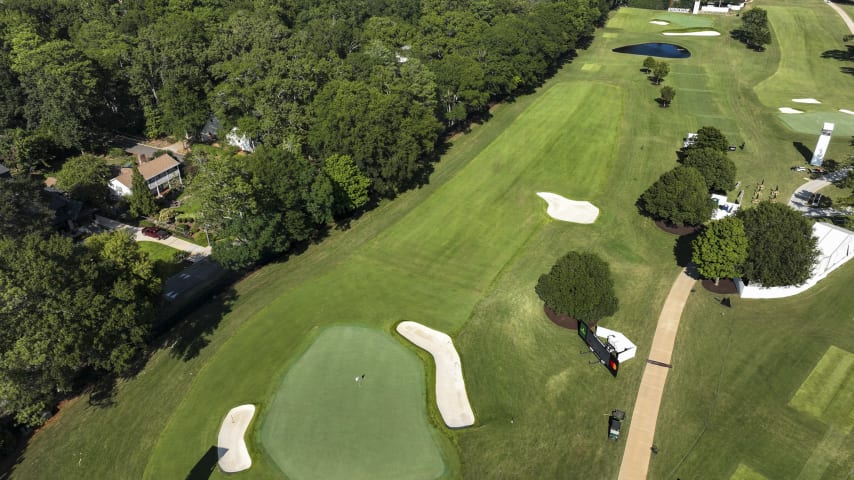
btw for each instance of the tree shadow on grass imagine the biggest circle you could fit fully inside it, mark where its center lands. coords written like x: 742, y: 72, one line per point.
x: 682, y: 248
x: 803, y: 150
x: 192, y: 334
x: 205, y: 466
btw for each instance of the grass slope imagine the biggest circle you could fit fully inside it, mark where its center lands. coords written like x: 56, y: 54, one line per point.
x: 463, y: 253
x: 323, y: 424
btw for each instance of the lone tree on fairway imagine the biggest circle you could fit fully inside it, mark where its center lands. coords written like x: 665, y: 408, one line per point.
x: 659, y: 71
x: 579, y: 285
x: 721, y: 249
x: 141, y: 201
x: 781, y: 249
x: 667, y: 95
x: 648, y: 64
x: 714, y: 166
x: 754, y: 31
x: 710, y: 137
x: 679, y: 196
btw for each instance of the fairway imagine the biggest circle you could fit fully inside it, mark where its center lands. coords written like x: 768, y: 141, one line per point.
x: 322, y: 423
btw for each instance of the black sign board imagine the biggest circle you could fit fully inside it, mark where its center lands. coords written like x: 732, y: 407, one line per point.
x: 606, y: 353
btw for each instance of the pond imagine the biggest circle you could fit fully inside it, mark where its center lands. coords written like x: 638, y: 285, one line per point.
x: 663, y: 50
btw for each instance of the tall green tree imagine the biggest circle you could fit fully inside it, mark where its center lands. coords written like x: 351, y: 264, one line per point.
x: 351, y: 189
x: 659, y: 71
x: 668, y: 93
x: 579, y: 285
x: 67, y: 307
x: 781, y: 247
x: 85, y: 178
x: 718, y: 170
x: 754, y: 31
x: 141, y: 200
x: 59, y: 84
x: 168, y: 74
x: 23, y: 209
x: 649, y: 64
x: 721, y: 249
x: 679, y: 196
x: 710, y: 137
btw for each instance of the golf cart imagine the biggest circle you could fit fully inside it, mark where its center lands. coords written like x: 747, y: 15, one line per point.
x: 614, y: 423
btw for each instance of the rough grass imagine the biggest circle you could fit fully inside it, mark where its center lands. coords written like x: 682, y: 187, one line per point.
x: 323, y: 424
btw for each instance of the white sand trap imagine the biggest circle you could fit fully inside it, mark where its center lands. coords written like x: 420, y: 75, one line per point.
x: 805, y: 100
x: 849, y: 112
x: 701, y: 33
x: 659, y: 22
x: 231, y: 446
x: 575, y: 211
x: 451, y: 397
x: 789, y: 110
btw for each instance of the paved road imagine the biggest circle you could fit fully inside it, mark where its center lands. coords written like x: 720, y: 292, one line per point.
x: 844, y: 15
x: 799, y: 200
x: 641, y: 437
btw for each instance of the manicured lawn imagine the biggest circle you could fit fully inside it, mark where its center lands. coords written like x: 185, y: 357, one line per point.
x: 321, y: 423
x: 762, y: 384
x: 462, y: 254
x: 163, y: 257
x: 811, y: 123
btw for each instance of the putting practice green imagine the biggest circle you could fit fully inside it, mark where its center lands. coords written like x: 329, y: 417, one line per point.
x: 327, y: 421
x: 843, y: 123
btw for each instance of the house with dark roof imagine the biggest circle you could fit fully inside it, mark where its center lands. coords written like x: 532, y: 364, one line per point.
x: 4, y: 172
x: 159, y: 173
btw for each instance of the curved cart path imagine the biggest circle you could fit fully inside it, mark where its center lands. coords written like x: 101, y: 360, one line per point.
x: 844, y: 16
x: 641, y: 435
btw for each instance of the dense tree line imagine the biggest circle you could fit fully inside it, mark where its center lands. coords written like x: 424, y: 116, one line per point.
x: 376, y: 81
x: 65, y: 308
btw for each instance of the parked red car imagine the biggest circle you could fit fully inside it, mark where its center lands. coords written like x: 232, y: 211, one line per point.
x: 154, y: 232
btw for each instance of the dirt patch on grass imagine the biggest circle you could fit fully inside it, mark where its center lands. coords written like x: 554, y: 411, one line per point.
x: 725, y: 286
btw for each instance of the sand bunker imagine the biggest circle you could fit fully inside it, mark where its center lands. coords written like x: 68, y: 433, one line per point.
x: 231, y: 446
x: 575, y: 211
x: 659, y: 22
x: 789, y: 110
x: 805, y: 100
x: 701, y: 33
x: 849, y: 112
x: 451, y: 397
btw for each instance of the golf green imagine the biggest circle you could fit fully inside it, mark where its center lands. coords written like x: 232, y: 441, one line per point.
x: 353, y: 406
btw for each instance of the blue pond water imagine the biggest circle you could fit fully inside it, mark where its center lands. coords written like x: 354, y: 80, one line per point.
x: 663, y: 50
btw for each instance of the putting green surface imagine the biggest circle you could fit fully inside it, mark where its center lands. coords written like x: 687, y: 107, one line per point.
x: 811, y: 122
x: 685, y: 20
x: 322, y: 423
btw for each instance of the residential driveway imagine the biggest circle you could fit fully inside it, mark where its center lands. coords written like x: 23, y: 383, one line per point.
x: 196, y: 252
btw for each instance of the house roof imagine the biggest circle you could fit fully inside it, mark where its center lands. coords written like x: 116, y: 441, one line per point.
x: 148, y: 169
x: 3, y: 170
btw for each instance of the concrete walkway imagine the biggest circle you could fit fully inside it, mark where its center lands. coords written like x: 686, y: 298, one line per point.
x: 196, y: 252
x: 845, y: 17
x: 643, y: 419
